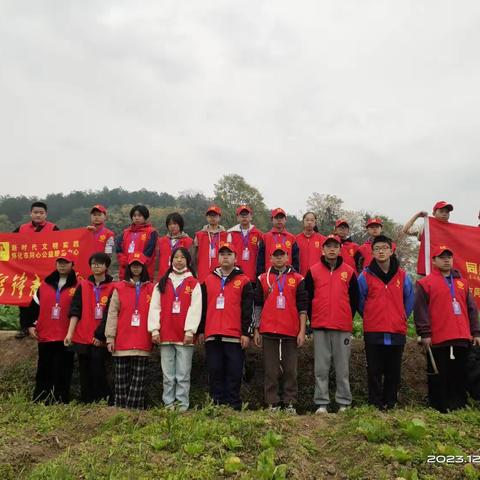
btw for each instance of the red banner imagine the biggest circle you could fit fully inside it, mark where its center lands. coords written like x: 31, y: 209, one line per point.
x: 26, y: 259
x: 464, y: 240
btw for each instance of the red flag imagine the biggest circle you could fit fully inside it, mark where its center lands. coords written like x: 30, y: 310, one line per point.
x: 464, y: 240
x: 26, y: 259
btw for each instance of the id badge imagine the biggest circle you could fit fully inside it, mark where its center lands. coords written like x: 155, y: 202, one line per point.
x: 98, y: 312
x: 176, y: 306
x: 457, y: 310
x: 56, y: 312
x: 220, y: 302
x: 131, y: 247
x: 135, y: 319
x: 213, y: 253
x: 281, y: 302
x: 246, y: 254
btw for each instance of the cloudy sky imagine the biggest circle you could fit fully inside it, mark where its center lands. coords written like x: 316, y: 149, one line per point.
x: 375, y: 101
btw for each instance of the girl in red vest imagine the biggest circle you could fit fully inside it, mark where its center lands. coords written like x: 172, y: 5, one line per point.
x: 446, y: 317
x: 86, y: 329
x: 175, y: 313
x: 309, y: 243
x: 104, y: 239
x: 348, y: 247
x: 206, y: 243
x: 385, y: 303
x: 126, y: 332
x: 141, y: 237
x: 281, y: 304
x: 174, y: 239
x: 48, y: 323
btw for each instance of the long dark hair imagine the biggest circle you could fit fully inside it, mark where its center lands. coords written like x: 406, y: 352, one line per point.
x: 144, y: 276
x: 163, y: 281
x: 315, y: 228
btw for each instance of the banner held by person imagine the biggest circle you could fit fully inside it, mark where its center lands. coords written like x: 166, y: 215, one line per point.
x: 25, y: 260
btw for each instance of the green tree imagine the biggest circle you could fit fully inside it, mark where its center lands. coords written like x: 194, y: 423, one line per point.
x: 5, y: 224
x: 327, y: 208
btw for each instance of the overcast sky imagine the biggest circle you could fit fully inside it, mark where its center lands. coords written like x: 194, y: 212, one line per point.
x: 375, y: 101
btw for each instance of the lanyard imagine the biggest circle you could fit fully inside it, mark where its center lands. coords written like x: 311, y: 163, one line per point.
x: 224, y: 280
x: 98, y: 232
x: 174, y: 244
x: 213, y: 239
x: 96, y: 291
x: 57, y: 296
x: 282, y: 237
x: 450, y: 285
x: 177, y: 291
x: 137, y: 294
x: 245, y: 238
x: 134, y: 235
x: 281, y: 279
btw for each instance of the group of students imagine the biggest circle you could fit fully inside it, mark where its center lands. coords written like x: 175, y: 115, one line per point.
x: 225, y: 288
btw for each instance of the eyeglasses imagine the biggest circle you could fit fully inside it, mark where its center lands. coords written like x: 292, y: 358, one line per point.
x: 381, y: 249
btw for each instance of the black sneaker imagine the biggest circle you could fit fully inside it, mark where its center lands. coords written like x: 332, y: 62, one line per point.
x: 21, y: 334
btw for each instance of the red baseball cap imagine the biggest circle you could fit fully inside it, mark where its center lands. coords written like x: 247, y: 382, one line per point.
x: 100, y: 208
x: 226, y: 246
x: 335, y: 238
x: 436, y: 252
x: 443, y: 204
x: 279, y: 246
x: 341, y: 221
x: 242, y: 208
x: 278, y: 211
x: 215, y: 209
x: 68, y: 257
x: 374, y: 221
x: 137, y: 257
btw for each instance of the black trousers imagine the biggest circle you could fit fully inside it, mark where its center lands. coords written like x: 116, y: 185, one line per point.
x: 93, y: 374
x: 384, y: 363
x: 447, y: 390
x: 225, y: 369
x: 54, y: 373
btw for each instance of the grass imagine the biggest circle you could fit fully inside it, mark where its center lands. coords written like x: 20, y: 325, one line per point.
x: 8, y: 317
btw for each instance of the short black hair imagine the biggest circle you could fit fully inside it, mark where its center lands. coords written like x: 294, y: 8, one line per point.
x: 38, y: 205
x: 174, y: 217
x: 141, y: 209
x: 382, y: 239
x: 100, y: 257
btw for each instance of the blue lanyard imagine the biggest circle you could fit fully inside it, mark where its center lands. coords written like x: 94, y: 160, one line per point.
x: 57, y: 296
x: 137, y: 294
x: 98, y: 232
x: 283, y: 238
x: 174, y: 246
x: 224, y: 280
x: 281, y: 282
x: 450, y: 285
x: 214, y: 240
x: 177, y: 291
x: 96, y: 291
x: 245, y: 238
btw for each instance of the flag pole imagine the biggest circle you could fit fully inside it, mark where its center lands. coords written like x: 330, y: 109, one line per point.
x: 426, y: 245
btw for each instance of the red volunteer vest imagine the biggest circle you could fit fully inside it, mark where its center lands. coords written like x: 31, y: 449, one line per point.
x: 331, y: 302
x: 205, y: 264
x: 140, y: 238
x: 276, y: 320
x: 129, y: 337
x: 310, y: 250
x: 172, y: 325
x: 271, y: 238
x: 165, y: 251
x: 226, y: 322
x: 249, y: 267
x: 29, y: 228
x: 384, y: 310
x: 100, y: 238
x: 444, y: 323
x: 348, y: 251
x: 48, y: 329
x: 85, y: 329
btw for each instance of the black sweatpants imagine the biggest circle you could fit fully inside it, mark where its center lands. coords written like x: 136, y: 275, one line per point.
x: 225, y: 369
x: 447, y: 390
x: 384, y: 364
x: 93, y: 374
x: 54, y: 373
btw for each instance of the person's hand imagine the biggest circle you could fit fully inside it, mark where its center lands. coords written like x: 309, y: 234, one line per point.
x: 476, y: 341
x: 300, y: 339
x: 111, y: 347
x: 201, y: 338
x: 244, y: 341
x: 32, y: 331
x: 67, y: 341
x: 426, y: 342
x: 257, y: 338
x: 188, y: 339
x: 422, y: 214
x: 90, y: 227
x: 156, y: 339
x: 96, y: 342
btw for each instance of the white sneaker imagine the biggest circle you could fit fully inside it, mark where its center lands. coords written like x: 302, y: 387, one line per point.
x: 321, y: 410
x: 170, y: 406
x: 291, y: 410
x: 273, y: 408
x: 343, y: 408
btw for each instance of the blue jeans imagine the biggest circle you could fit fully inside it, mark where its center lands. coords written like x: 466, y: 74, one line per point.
x: 176, y: 367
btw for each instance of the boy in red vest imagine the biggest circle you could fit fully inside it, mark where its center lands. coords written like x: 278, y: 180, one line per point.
x: 446, y: 317
x: 385, y: 303
x: 48, y: 324
x: 333, y: 291
x: 104, y: 239
x: 348, y: 247
x: 246, y: 238
x: 85, y: 331
x: 281, y: 304
x: 227, y: 299
x: 364, y: 256
x: 38, y: 223
x: 206, y: 242
x: 278, y: 234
